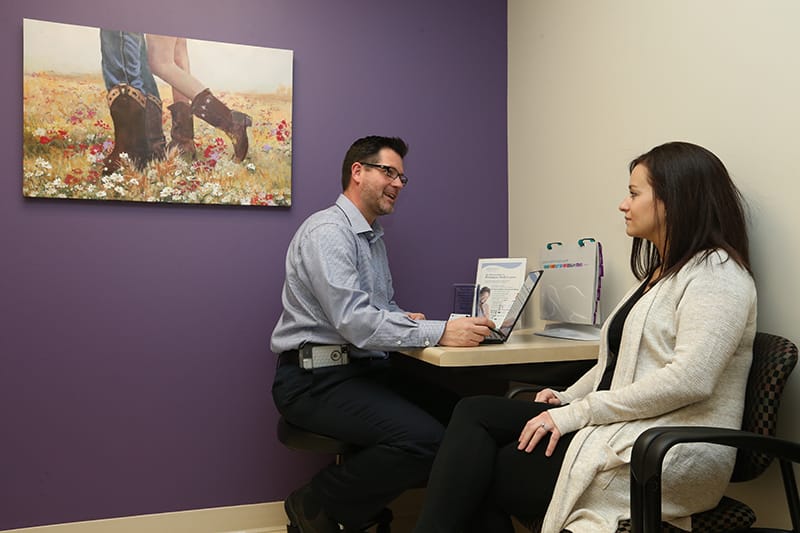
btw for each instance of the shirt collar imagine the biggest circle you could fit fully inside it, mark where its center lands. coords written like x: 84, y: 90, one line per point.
x: 357, y: 220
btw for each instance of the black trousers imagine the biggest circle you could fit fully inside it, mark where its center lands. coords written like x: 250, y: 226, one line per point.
x: 479, y: 477
x: 396, y: 420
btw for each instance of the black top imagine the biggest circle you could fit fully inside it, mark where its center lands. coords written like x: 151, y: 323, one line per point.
x: 615, y: 335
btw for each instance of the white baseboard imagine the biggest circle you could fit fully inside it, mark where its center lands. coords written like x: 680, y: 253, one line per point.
x: 256, y: 518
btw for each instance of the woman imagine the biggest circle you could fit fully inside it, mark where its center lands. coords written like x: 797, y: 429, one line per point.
x: 168, y: 58
x: 675, y: 351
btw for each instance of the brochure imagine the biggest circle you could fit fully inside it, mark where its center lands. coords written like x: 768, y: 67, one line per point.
x: 497, y: 283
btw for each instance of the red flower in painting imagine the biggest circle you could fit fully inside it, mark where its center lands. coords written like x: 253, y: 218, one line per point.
x: 44, y: 139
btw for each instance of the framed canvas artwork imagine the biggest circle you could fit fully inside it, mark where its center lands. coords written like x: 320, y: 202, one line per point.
x: 127, y: 116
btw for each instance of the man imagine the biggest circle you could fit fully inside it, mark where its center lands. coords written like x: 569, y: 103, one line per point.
x: 338, y: 306
x: 133, y: 101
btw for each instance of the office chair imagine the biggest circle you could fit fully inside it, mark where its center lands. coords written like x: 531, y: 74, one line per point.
x: 773, y: 360
x: 297, y: 438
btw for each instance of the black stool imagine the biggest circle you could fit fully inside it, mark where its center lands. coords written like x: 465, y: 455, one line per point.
x: 296, y: 438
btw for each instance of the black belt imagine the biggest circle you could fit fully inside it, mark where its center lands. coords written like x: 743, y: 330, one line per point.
x: 292, y: 357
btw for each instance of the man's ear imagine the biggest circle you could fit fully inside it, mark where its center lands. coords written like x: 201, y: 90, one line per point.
x: 356, y: 172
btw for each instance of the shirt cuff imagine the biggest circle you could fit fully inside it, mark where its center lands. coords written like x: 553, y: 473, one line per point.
x: 571, y: 417
x: 430, y: 331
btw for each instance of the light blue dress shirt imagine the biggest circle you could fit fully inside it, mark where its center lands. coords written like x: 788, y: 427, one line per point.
x: 338, y: 289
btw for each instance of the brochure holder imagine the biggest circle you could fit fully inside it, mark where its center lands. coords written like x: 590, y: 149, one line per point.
x: 570, y: 293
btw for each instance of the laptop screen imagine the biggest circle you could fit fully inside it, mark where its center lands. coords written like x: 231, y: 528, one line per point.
x: 524, y: 294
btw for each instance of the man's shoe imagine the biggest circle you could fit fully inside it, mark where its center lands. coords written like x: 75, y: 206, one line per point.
x: 306, y: 515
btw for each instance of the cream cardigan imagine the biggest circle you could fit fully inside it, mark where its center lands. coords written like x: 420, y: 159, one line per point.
x: 684, y: 359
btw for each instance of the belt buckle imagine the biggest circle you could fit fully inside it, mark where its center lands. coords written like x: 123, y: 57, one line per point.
x: 323, y: 356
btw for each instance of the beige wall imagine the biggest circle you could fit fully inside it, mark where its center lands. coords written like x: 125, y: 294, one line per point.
x: 593, y: 84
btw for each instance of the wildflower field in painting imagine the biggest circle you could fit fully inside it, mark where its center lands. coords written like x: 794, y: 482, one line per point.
x: 68, y: 132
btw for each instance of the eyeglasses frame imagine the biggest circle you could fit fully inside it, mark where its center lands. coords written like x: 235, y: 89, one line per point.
x: 387, y: 170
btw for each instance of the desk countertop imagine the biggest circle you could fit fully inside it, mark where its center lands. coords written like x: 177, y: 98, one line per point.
x: 523, y: 347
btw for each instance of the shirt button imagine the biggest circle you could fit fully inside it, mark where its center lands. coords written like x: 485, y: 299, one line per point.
x: 399, y: 343
x: 427, y: 343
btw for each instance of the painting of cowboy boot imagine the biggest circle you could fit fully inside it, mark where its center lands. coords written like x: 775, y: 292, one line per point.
x: 140, y: 117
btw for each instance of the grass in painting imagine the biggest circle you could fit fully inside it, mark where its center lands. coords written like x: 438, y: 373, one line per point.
x: 67, y: 133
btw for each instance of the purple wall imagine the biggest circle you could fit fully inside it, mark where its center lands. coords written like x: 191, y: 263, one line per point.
x: 134, y: 370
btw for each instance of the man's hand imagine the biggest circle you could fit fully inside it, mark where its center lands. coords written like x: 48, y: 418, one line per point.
x: 467, y: 331
x: 416, y: 316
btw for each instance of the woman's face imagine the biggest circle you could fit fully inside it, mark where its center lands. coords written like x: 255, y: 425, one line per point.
x: 644, y: 214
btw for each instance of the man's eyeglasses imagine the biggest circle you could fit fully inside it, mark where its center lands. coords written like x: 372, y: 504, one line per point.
x: 390, y: 172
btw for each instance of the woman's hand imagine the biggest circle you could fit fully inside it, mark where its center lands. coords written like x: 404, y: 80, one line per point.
x: 547, y: 396
x: 536, y: 429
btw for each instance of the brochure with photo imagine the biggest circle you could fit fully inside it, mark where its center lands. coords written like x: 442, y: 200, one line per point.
x: 497, y: 283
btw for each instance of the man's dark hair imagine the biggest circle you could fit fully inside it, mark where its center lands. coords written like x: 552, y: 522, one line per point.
x: 366, y: 149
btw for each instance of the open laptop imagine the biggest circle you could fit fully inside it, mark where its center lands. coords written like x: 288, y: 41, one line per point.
x: 501, y: 334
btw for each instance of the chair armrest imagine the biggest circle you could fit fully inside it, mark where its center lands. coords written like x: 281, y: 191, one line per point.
x: 516, y: 391
x: 653, y: 444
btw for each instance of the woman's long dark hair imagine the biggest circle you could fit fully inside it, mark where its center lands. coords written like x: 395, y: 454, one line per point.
x: 704, y: 209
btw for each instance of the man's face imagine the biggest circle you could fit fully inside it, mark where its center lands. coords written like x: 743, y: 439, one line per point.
x: 378, y: 192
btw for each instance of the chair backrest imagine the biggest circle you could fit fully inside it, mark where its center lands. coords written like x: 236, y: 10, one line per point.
x: 774, y: 357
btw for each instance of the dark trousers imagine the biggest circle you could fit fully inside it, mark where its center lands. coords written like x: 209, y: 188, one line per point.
x: 479, y: 477
x: 398, y: 423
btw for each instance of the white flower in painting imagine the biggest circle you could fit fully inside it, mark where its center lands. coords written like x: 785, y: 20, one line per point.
x: 119, y: 189
x: 251, y: 167
x: 40, y: 132
x: 43, y: 163
x: 134, y: 181
x: 166, y: 191
x: 177, y: 172
x: 101, y: 194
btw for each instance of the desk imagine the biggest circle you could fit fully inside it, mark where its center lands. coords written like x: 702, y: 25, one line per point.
x: 523, y: 347
x: 488, y: 368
